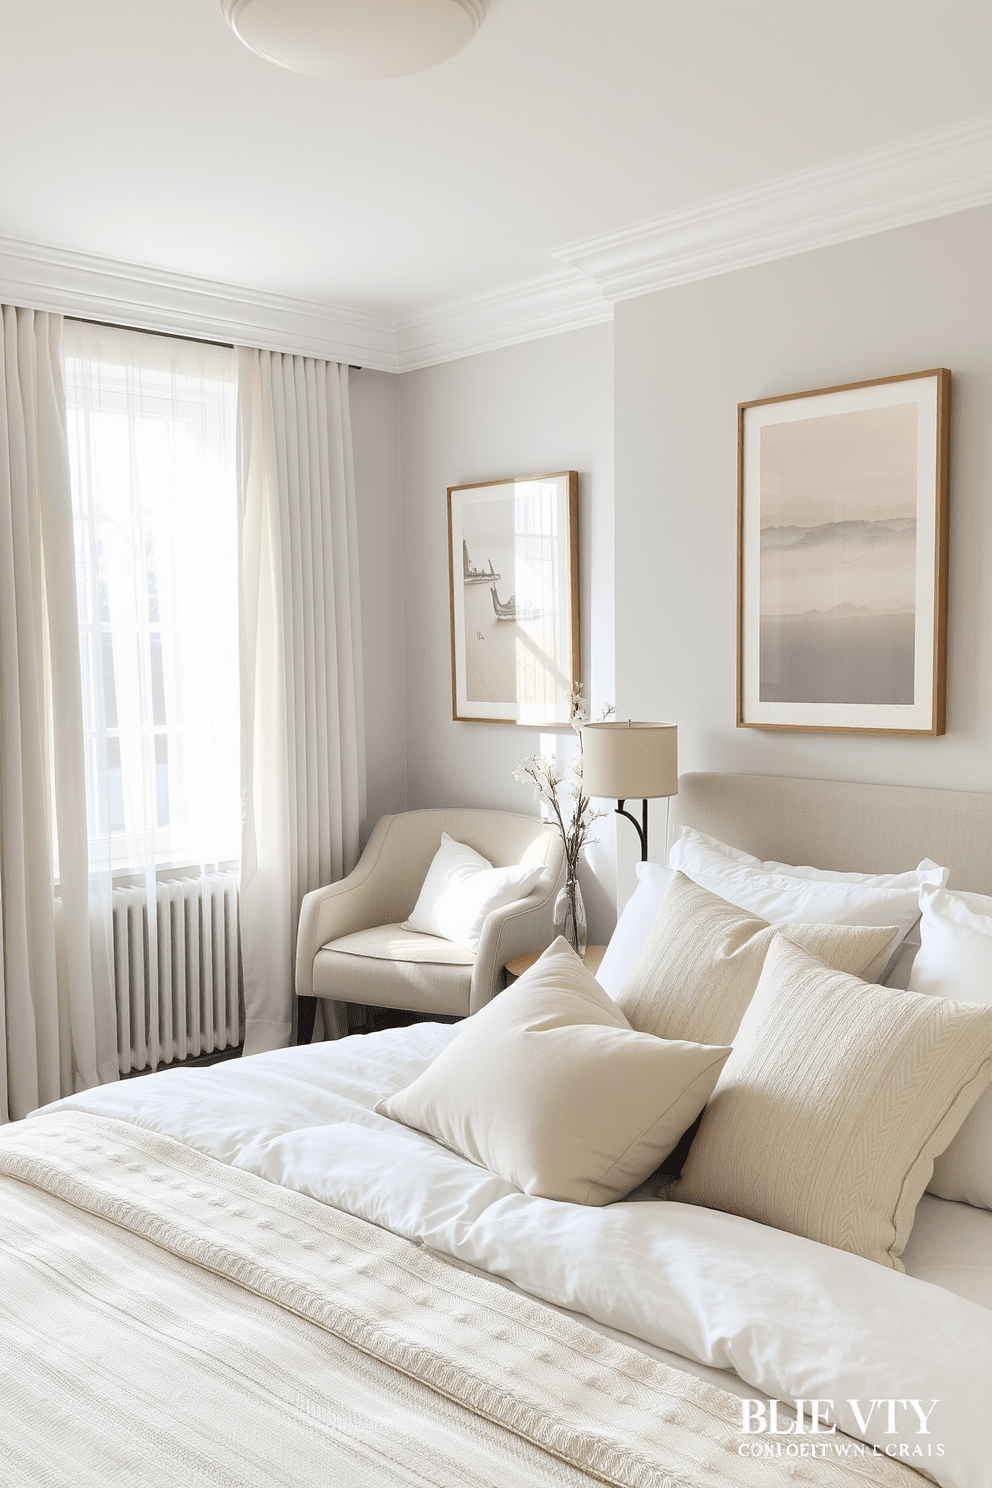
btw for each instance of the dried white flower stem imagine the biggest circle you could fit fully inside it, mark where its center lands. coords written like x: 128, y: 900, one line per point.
x: 551, y: 784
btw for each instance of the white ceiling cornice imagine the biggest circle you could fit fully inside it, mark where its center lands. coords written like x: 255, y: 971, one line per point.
x: 562, y: 301
x: 932, y: 176
x: 947, y: 171
x: 56, y: 279
x: 42, y: 278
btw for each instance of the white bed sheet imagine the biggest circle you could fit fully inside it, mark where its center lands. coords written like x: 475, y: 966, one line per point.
x: 791, y: 1318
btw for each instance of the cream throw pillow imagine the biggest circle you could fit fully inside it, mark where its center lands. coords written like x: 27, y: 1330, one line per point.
x: 702, y: 960
x: 550, y: 1087
x: 835, y: 1102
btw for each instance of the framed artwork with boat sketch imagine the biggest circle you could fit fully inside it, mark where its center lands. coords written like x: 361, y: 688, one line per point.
x: 513, y: 559
x: 842, y: 557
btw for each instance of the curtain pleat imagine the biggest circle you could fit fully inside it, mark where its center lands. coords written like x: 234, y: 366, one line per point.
x: 58, y: 1024
x: 302, y: 740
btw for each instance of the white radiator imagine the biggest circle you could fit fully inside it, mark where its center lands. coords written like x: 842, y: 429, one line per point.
x: 177, y: 971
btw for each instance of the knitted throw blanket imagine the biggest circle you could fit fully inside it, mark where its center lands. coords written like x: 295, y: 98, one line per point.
x: 168, y: 1320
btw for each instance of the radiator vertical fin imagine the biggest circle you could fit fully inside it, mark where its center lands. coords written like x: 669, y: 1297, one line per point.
x: 177, y: 974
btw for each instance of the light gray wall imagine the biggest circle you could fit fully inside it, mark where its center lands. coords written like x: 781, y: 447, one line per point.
x: 374, y: 404
x: 664, y: 381
x: 902, y: 301
x: 546, y: 405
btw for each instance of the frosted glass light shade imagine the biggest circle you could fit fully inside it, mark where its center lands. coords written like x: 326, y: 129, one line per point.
x: 628, y: 761
x: 355, y: 38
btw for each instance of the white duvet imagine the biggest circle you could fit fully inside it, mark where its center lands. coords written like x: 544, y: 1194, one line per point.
x: 794, y: 1319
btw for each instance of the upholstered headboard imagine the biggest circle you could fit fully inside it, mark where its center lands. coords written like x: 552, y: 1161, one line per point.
x: 837, y: 824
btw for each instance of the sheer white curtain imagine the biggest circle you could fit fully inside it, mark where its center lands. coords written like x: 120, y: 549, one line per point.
x: 302, y: 741
x: 152, y: 446
x: 58, y: 1025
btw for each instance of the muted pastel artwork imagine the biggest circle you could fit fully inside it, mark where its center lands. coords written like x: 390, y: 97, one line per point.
x: 511, y: 556
x: 838, y: 558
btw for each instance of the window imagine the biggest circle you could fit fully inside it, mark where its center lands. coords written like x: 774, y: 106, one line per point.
x: 151, y: 430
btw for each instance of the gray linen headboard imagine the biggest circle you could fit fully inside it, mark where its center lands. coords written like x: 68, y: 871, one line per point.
x: 836, y: 824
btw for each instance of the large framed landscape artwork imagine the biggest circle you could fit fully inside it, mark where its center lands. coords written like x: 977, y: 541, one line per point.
x: 513, y: 555
x: 842, y: 557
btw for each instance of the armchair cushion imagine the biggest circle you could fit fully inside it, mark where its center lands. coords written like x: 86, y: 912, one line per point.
x: 379, y: 981
x: 461, y: 890
x: 397, y: 943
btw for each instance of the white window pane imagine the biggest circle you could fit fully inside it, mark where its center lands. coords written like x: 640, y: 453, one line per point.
x: 151, y: 424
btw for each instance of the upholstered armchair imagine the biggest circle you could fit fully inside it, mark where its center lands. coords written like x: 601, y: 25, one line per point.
x: 351, y: 948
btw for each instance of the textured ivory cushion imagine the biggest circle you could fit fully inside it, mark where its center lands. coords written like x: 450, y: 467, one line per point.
x: 955, y: 960
x: 461, y: 890
x: 703, y: 957
x: 633, y: 927
x: 550, y: 1087
x: 784, y: 895
x: 835, y: 1102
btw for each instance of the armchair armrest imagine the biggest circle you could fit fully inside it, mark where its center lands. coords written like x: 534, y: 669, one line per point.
x: 337, y: 909
x: 325, y: 914
x: 516, y: 929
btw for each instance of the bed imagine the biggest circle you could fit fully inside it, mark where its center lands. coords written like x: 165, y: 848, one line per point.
x: 246, y: 1275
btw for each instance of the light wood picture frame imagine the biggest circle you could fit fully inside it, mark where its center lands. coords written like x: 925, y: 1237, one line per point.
x: 842, y: 557
x: 513, y: 564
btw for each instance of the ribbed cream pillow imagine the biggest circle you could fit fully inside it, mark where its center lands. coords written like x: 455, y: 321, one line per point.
x: 702, y: 960
x: 835, y: 1102
x: 550, y: 1087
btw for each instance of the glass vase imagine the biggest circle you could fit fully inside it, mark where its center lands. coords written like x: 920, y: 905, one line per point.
x: 570, y: 916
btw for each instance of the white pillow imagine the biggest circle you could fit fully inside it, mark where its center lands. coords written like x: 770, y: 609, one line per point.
x: 784, y: 895
x: 461, y: 890
x: 955, y: 961
x: 633, y: 926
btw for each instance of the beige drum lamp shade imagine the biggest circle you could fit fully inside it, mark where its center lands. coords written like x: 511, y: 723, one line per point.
x: 626, y: 760
x: 355, y: 38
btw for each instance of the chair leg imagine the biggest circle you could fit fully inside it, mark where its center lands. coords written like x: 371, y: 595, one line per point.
x: 306, y: 1013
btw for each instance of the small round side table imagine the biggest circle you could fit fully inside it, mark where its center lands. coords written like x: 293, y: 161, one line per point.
x: 516, y: 968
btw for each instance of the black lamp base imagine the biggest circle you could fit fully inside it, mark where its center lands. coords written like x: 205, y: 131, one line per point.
x: 640, y: 827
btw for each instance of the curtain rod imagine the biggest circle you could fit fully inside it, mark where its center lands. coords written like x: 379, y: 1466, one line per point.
x: 114, y: 325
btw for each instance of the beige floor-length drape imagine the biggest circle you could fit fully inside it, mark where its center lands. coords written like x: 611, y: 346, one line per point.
x: 58, y: 1020
x: 302, y: 729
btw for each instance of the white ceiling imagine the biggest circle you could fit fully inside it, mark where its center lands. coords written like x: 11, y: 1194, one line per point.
x: 147, y: 133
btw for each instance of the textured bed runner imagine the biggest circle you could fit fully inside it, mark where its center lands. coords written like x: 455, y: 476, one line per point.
x: 341, y: 1355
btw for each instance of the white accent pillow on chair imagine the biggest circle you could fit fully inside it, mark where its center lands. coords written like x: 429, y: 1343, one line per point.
x: 461, y: 890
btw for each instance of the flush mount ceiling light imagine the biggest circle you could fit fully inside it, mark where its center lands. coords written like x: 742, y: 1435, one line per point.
x: 355, y: 38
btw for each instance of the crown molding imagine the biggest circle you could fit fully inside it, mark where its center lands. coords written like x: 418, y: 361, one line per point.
x: 82, y: 284
x: 933, y: 175
x: 69, y: 283
x: 563, y: 301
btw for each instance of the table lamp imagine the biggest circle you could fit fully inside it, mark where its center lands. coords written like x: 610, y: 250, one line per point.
x: 627, y: 760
